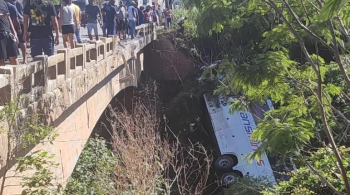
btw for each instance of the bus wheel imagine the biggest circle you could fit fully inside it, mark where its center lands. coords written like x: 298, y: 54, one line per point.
x: 224, y: 162
x: 229, y: 178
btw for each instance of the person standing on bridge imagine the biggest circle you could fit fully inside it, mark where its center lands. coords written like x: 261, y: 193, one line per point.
x: 110, y: 13
x: 104, y: 22
x: 68, y: 24
x: 8, y: 37
x: 93, y: 14
x: 77, y: 14
x: 40, y: 16
x: 169, y: 17
x: 14, y: 16
x: 121, y: 20
x: 132, y: 16
x: 22, y: 43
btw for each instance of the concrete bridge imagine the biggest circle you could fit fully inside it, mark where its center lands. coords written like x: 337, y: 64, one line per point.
x: 69, y: 90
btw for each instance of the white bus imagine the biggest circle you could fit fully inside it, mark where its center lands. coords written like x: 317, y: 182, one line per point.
x: 232, y: 133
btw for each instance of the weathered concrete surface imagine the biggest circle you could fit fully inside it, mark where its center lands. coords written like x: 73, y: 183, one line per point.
x: 71, y: 89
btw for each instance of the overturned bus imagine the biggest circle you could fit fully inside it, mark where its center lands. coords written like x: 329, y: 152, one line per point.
x: 232, y: 133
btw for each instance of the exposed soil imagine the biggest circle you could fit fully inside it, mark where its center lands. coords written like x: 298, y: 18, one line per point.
x: 163, y: 61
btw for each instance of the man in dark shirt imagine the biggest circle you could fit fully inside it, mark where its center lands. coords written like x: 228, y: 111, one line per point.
x: 139, y: 10
x: 104, y: 22
x: 13, y: 13
x: 93, y: 14
x: 8, y: 41
x: 110, y: 13
x: 22, y: 43
x: 40, y: 15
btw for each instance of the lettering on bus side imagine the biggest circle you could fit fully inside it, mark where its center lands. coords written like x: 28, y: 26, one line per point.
x: 249, y: 130
x: 246, y: 122
x: 260, y: 162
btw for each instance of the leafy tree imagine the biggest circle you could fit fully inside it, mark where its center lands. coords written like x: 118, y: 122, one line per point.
x: 305, y: 182
x: 40, y: 182
x: 20, y: 133
x: 291, y: 54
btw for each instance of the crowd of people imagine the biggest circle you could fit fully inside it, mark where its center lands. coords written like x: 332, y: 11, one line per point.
x: 123, y: 20
x: 35, y: 22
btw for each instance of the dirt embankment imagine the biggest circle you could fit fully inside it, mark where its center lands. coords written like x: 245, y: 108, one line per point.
x: 164, y: 61
x: 180, y: 93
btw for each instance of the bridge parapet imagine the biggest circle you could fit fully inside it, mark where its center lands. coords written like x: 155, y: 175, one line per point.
x: 58, y: 86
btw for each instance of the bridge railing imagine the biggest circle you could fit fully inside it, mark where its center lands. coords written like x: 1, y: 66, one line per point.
x: 45, y: 73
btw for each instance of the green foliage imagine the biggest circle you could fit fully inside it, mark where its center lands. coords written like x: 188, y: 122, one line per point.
x: 289, y: 128
x: 331, y: 8
x: 29, y: 130
x: 283, y: 131
x: 304, y: 181
x: 41, y: 163
x: 56, y: 2
x: 249, y: 186
x: 93, y: 173
x: 290, y: 52
x: 23, y: 131
x: 9, y: 112
x: 37, y: 133
x: 261, y: 62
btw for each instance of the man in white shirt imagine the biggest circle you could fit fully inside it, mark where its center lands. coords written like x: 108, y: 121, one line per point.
x: 181, y: 22
x: 121, y: 19
x: 132, y: 15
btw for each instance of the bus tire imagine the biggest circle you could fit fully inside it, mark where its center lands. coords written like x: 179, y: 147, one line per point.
x: 229, y: 178
x: 224, y: 162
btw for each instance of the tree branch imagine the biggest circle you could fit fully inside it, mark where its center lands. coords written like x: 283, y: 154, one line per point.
x: 323, y: 179
x: 337, y: 54
x: 306, y: 28
x: 326, y: 128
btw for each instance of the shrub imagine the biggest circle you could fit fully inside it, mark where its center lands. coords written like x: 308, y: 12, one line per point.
x: 93, y: 173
